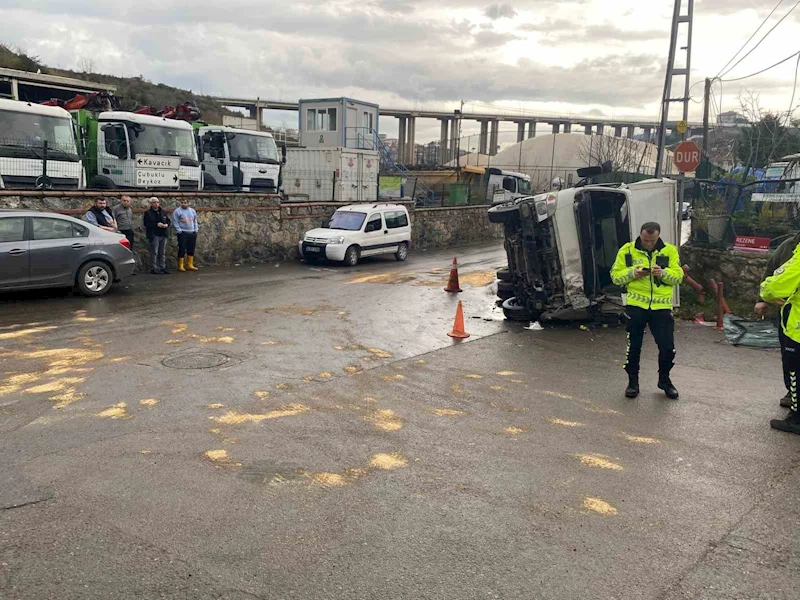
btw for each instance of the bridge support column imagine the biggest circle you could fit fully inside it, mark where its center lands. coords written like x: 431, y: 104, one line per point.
x: 401, y: 141
x: 631, y: 129
x: 483, y: 147
x: 617, y: 130
x: 556, y: 127
x: 531, y: 129
x: 648, y: 133
x: 520, y: 131
x: 444, y: 142
x: 600, y: 128
x: 587, y: 129
x: 411, y: 149
x: 493, y: 138
x: 567, y: 127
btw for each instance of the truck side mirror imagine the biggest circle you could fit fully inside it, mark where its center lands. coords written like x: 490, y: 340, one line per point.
x: 283, y: 154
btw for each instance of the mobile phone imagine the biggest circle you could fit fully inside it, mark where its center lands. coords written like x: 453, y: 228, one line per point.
x: 645, y: 269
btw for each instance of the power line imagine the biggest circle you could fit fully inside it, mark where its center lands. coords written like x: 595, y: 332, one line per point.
x: 764, y: 22
x: 762, y: 70
x: 766, y: 35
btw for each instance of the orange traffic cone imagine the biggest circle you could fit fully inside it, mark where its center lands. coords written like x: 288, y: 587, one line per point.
x: 452, y: 283
x: 458, y: 325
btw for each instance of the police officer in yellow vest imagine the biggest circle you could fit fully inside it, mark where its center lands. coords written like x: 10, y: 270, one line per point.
x: 783, y: 288
x: 649, y: 269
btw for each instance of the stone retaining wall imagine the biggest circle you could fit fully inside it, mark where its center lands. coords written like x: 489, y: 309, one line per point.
x: 236, y: 228
x: 741, y: 273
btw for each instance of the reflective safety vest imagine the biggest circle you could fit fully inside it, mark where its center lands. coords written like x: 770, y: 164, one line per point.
x: 783, y: 285
x: 648, y: 292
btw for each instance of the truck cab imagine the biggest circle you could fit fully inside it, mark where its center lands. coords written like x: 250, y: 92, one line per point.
x: 38, y: 148
x: 130, y: 150
x: 239, y: 159
x: 504, y: 186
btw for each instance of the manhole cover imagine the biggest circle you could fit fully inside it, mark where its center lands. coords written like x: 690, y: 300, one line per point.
x: 197, y: 360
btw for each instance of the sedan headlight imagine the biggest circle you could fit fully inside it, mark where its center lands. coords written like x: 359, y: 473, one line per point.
x: 336, y: 240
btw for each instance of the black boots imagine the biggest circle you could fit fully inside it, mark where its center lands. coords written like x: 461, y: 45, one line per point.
x: 632, y: 391
x: 791, y: 424
x: 786, y: 401
x: 665, y: 384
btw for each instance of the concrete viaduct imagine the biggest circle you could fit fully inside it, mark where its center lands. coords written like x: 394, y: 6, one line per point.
x: 490, y: 125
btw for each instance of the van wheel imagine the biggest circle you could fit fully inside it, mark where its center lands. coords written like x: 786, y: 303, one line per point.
x: 351, y: 256
x: 95, y: 278
x: 402, y: 252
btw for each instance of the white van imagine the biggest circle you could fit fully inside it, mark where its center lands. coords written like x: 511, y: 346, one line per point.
x: 359, y: 230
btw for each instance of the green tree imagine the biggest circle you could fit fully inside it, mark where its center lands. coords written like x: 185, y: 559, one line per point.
x: 765, y: 141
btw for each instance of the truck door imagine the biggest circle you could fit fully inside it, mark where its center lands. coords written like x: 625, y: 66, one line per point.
x: 113, y: 156
x: 216, y: 157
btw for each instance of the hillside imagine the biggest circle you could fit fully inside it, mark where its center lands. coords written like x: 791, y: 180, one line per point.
x: 134, y: 92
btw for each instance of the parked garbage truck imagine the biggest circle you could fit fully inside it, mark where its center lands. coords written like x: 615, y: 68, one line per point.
x: 561, y: 246
x: 240, y: 159
x: 38, y: 147
x: 140, y: 149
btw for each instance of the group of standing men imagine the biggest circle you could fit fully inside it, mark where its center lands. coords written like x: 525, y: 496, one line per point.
x: 157, y: 224
x: 649, y: 269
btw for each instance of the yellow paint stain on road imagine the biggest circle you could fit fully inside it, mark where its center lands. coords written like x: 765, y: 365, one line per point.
x: 215, y: 430
x: 517, y: 381
x: 261, y: 395
x: 352, y: 370
x: 196, y: 316
x: 149, y: 402
x: 327, y: 479
x: 507, y: 373
x: 220, y: 457
x: 63, y: 357
x: 120, y: 359
x: 564, y: 423
x: 599, y: 506
x: 419, y: 362
x: 641, y: 440
x: 515, y: 430
x: 12, y: 335
x: 477, y: 278
x: 395, y: 377
x: 118, y: 411
x: 5, y: 390
x: 225, y: 339
x: 448, y: 412
x: 388, y: 462
x: 304, y: 311
x: 599, y: 461
x: 370, y: 400
x: 84, y: 319
x: 55, y: 386
x: 220, y: 328
x: 145, y: 451
x: 270, y: 343
x: 215, y: 405
x: 180, y: 328
x: 554, y: 394
x: 237, y: 418
x: 390, y: 278
x: 66, y: 398
x: 175, y: 341
x: 379, y: 353
x: 338, y: 347
x: 325, y: 375
x: 496, y: 388
x: 282, y: 386
x: 385, y: 420
x: 473, y: 376
x: 457, y: 388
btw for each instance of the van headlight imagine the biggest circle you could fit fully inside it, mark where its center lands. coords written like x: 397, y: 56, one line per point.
x: 336, y: 240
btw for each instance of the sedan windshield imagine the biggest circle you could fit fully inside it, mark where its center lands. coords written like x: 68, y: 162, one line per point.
x: 349, y: 221
x: 165, y: 141
x: 253, y: 148
x: 23, y: 136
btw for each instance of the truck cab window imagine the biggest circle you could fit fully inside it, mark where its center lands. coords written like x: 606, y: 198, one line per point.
x: 510, y: 184
x: 116, y: 143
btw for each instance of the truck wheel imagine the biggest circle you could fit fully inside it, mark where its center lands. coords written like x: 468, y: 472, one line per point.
x: 351, y: 256
x: 505, y: 287
x: 504, y: 213
x: 102, y: 183
x: 504, y: 274
x: 95, y: 278
x: 209, y: 183
x: 515, y: 311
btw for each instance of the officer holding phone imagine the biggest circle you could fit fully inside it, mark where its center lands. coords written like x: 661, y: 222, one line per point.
x: 649, y: 269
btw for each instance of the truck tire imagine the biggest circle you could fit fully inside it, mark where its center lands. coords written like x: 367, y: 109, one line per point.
x: 504, y: 274
x: 99, y: 182
x: 504, y: 213
x: 514, y: 311
x: 505, y: 287
x: 209, y: 183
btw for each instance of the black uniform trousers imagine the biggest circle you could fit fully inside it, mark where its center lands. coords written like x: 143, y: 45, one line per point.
x: 790, y: 357
x: 662, y: 326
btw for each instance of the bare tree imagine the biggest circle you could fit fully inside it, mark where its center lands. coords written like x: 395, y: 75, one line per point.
x: 86, y: 65
x: 623, y: 153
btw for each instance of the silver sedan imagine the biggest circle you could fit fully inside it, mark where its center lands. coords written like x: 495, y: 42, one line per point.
x: 44, y: 250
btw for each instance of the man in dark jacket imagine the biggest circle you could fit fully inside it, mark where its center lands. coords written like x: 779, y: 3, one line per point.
x: 781, y: 255
x: 98, y: 215
x: 156, y: 226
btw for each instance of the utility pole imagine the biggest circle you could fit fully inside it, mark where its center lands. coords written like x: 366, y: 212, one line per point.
x: 459, y: 113
x: 706, y: 102
x: 672, y: 71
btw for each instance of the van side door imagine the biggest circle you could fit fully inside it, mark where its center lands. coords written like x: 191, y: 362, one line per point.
x: 374, y: 236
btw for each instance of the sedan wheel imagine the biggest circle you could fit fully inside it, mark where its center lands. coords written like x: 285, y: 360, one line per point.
x: 95, y: 279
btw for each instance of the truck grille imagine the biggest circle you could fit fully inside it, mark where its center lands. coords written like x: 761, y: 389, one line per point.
x: 20, y: 182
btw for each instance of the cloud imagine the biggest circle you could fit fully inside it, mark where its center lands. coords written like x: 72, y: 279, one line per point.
x: 500, y: 11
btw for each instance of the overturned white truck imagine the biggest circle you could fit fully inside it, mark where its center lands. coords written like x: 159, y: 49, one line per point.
x: 561, y: 246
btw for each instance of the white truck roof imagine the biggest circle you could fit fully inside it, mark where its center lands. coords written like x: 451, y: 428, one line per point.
x: 117, y: 115
x: 234, y: 130
x: 34, y: 109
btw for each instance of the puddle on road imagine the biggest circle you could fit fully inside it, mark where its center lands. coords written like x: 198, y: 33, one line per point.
x: 296, y: 309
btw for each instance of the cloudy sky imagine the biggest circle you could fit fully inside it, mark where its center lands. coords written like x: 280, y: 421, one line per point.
x: 557, y: 56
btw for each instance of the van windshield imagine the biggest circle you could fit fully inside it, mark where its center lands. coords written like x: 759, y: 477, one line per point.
x: 349, y: 221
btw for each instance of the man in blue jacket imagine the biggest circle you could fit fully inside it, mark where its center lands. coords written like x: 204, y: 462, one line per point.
x: 184, y: 219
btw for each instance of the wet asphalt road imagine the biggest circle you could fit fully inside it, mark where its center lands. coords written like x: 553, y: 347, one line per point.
x: 297, y: 432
